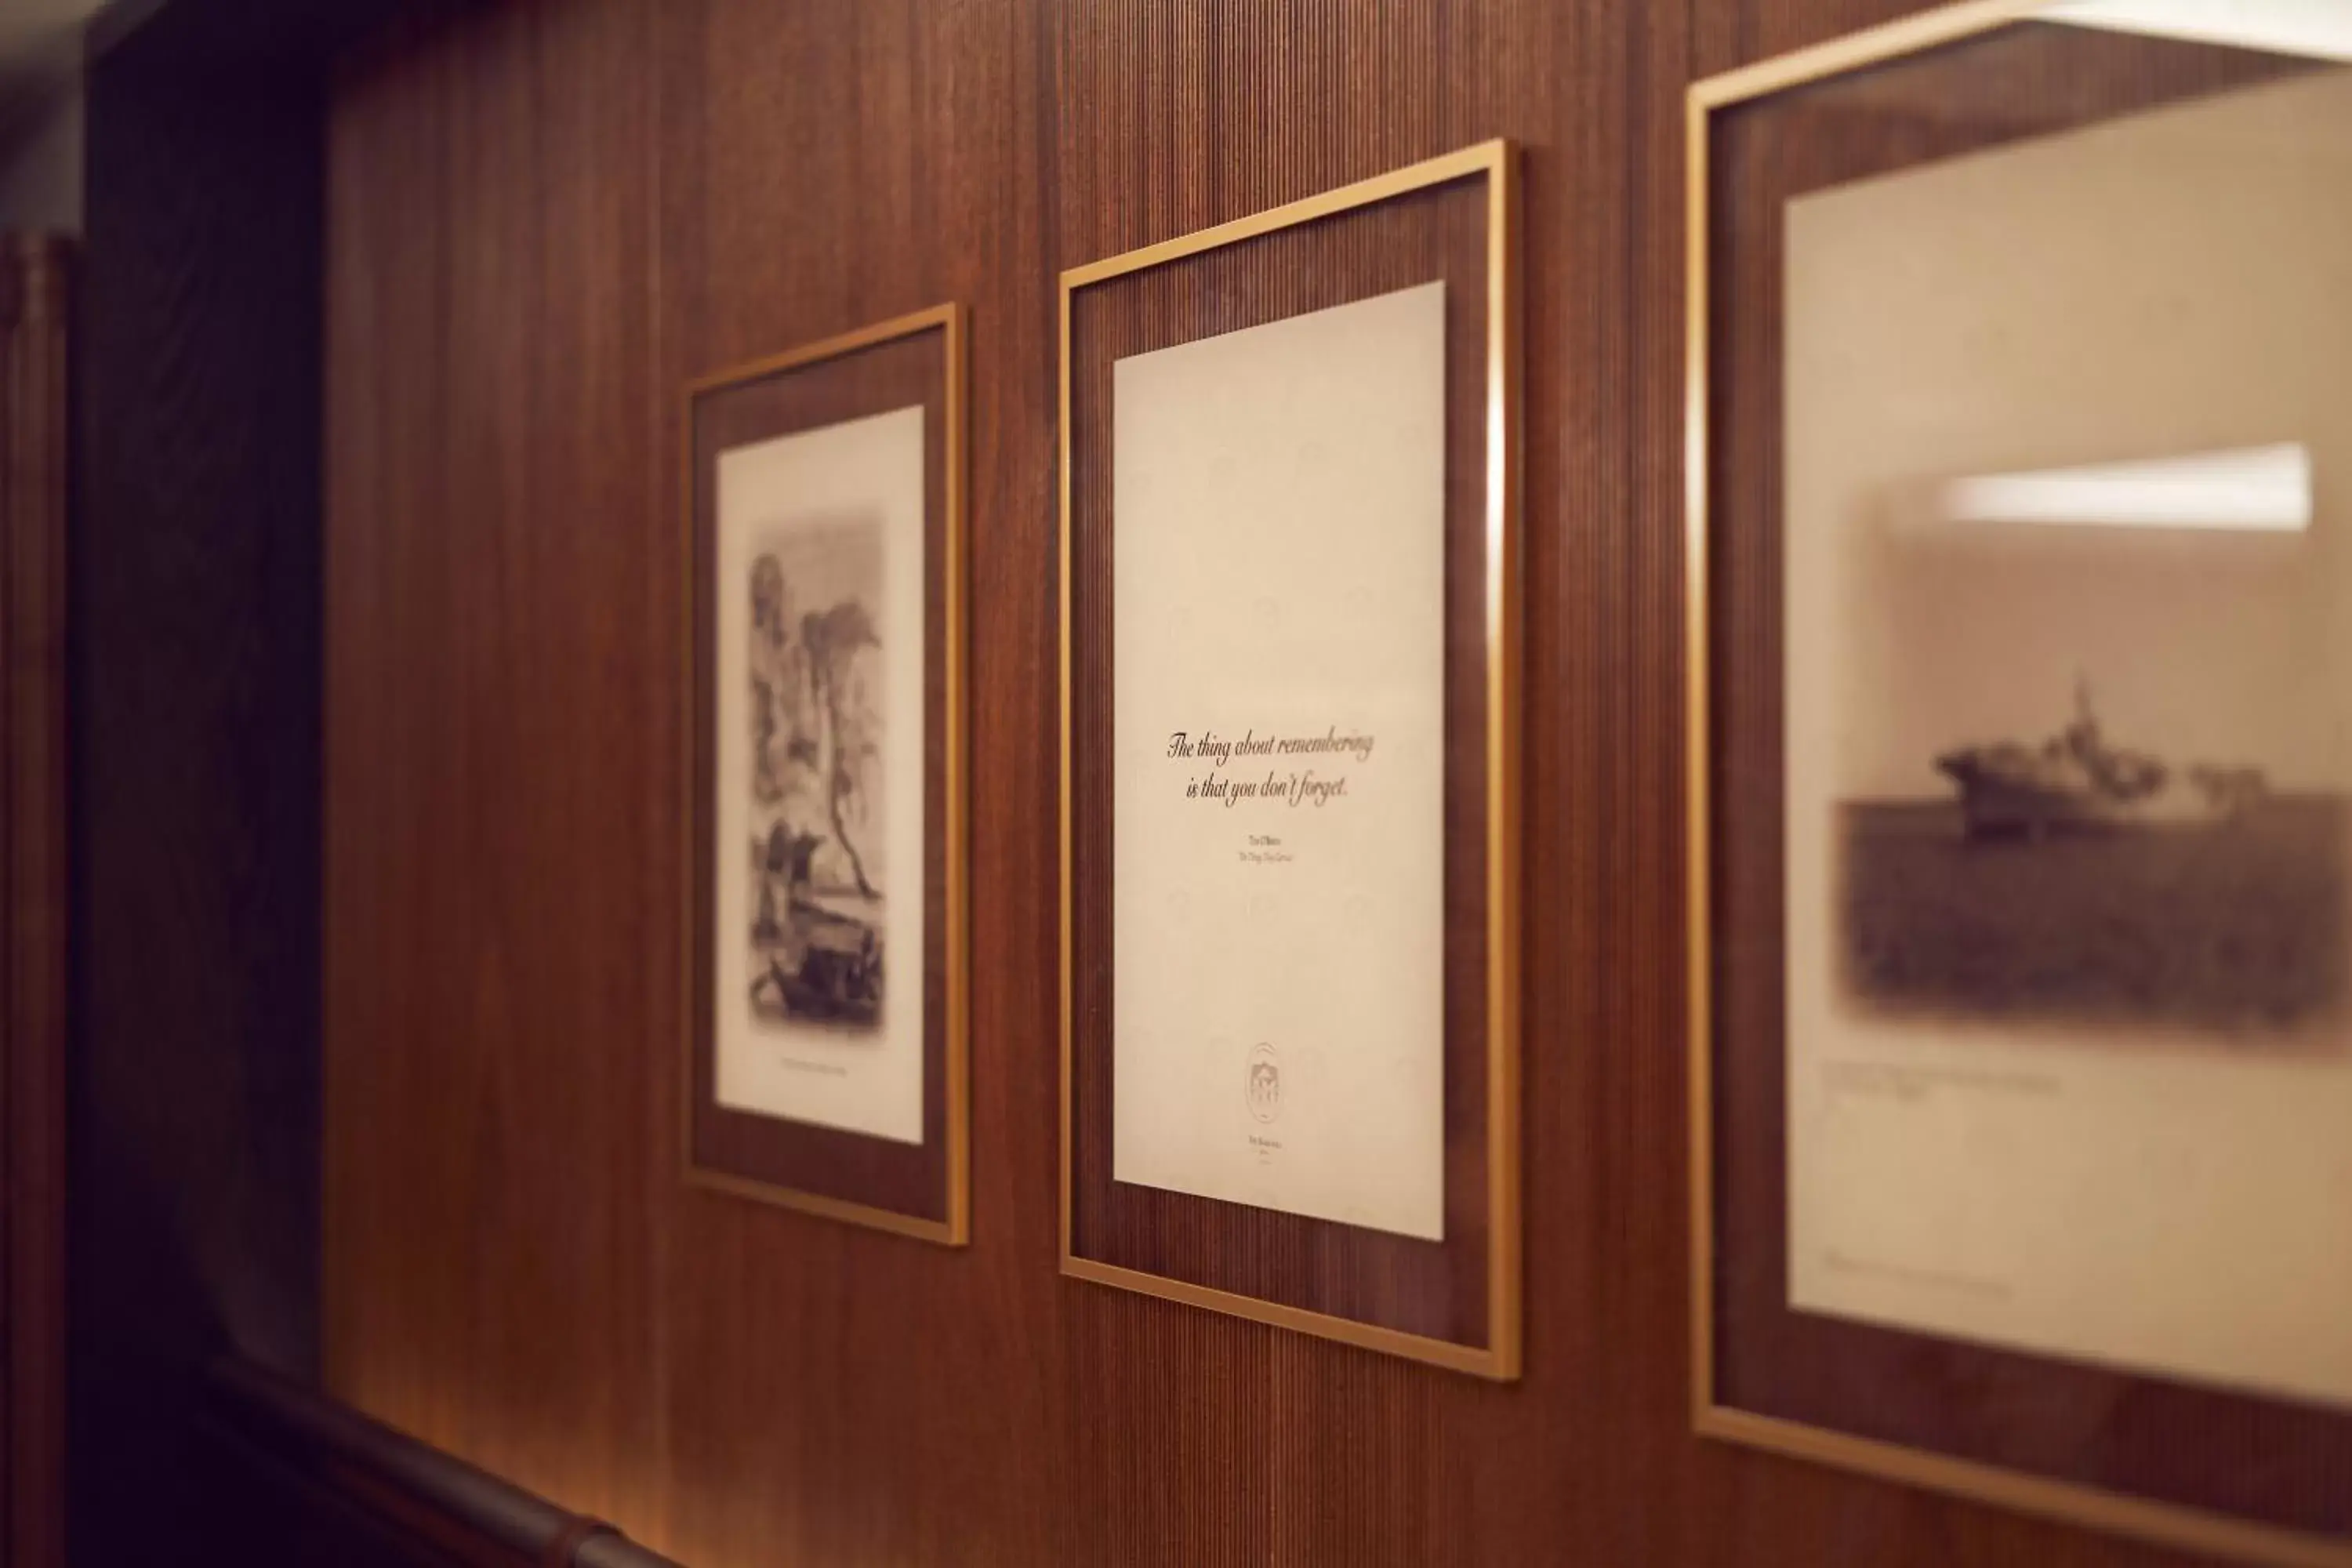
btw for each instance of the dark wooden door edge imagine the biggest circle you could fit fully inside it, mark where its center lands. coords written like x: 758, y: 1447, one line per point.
x: 33, y: 426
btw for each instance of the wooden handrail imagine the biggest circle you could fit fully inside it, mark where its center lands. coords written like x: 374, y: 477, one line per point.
x: 316, y: 1434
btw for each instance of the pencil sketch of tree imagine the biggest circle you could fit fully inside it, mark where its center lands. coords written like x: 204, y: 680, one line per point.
x: 820, y: 848
x: 832, y: 641
x: 779, y: 683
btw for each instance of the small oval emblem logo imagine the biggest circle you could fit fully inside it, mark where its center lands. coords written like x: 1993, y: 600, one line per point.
x: 1264, y: 1083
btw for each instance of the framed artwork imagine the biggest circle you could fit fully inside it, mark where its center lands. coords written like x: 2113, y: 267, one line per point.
x: 1289, y: 743
x: 2019, y: 631
x: 828, y: 1059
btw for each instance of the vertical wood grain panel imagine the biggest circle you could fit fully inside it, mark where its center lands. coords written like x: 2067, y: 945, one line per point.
x: 497, y: 791
x: 1174, y: 117
x: 543, y: 223
x: 825, y: 165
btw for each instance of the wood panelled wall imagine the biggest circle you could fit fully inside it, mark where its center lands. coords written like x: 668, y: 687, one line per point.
x: 542, y: 220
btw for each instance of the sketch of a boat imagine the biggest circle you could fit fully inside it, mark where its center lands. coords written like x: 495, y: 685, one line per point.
x: 2077, y: 782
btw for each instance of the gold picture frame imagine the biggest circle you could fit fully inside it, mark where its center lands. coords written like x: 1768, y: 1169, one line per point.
x: 952, y: 321
x: 2167, y: 1523
x: 1496, y: 163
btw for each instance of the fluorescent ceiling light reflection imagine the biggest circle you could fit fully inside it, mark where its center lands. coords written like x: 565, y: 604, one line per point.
x: 2321, y: 29
x: 2264, y: 490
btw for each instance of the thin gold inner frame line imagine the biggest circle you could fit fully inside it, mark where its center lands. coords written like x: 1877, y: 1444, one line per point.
x: 1498, y: 162
x: 952, y: 321
x: 2072, y: 1502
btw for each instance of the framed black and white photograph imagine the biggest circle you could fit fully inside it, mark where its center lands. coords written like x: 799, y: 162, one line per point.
x: 2020, y: 628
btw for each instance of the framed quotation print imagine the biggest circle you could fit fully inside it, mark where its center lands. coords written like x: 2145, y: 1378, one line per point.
x: 1289, y: 943
x: 824, y: 493
x: 2021, y: 792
